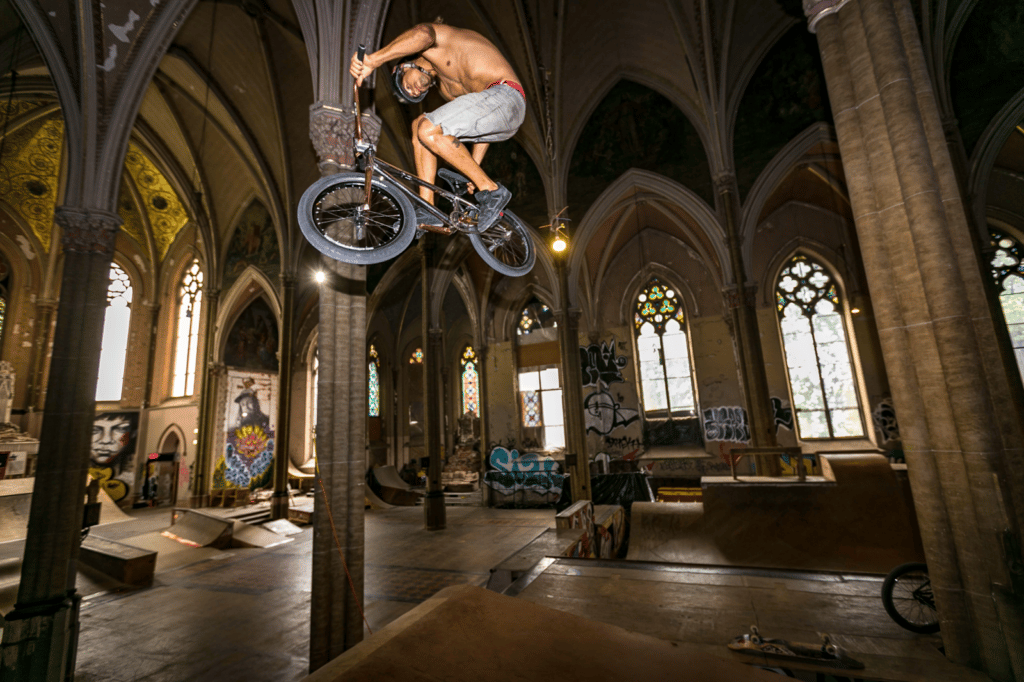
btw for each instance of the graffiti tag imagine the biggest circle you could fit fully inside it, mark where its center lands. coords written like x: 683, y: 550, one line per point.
x: 726, y: 423
x: 884, y: 417
x: 599, y: 363
x: 603, y: 414
x: 783, y: 414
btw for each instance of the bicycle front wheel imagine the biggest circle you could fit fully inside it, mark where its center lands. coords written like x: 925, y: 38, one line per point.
x: 335, y: 218
x: 908, y: 598
x: 506, y: 246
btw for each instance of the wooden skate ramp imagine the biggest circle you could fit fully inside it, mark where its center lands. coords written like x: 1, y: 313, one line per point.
x: 392, y: 489
x: 467, y: 634
x: 856, y: 517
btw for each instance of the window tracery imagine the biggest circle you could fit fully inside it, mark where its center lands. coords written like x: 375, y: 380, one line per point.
x: 662, y: 351
x: 1008, y: 271
x: 186, y: 341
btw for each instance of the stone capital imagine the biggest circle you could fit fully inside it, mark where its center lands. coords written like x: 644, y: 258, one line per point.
x: 87, y: 231
x: 332, y: 130
x: 815, y: 10
x: 724, y: 182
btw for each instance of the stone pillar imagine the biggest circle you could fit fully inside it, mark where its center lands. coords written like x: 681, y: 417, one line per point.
x: 279, y: 503
x: 434, y: 515
x: 45, y: 309
x: 41, y: 634
x: 337, y: 591
x: 481, y: 355
x: 936, y: 331
x: 207, y: 403
x: 336, y: 603
x: 745, y: 330
x: 577, y: 460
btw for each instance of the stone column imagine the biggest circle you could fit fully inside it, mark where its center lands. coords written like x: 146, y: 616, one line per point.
x: 279, y: 503
x: 41, y: 634
x: 207, y: 403
x: 936, y: 331
x: 577, y: 460
x: 336, y: 621
x: 434, y: 515
x: 45, y: 309
x: 746, y: 332
x: 481, y: 354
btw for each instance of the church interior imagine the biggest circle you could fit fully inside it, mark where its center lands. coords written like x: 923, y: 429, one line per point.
x: 785, y: 332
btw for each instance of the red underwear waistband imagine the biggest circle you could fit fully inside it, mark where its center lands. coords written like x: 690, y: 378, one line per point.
x: 511, y: 84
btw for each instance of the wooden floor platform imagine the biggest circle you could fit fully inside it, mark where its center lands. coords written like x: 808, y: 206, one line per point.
x: 707, y: 606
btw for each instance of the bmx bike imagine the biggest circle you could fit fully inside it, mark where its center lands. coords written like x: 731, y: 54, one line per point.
x: 908, y: 598
x: 370, y: 216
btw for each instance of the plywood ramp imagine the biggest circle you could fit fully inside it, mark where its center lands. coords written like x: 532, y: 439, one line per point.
x: 466, y: 633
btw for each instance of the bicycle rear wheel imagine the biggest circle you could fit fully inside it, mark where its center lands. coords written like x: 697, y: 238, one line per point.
x: 506, y: 246
x: 908, y: 599
x: 333, y: 219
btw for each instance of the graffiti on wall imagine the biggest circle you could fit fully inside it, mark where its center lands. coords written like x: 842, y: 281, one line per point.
x: 523, y: 480
x: 502, y: 459
x: 726, y: 423
x: 603, y: 414
x: 112, y: 457
x: 884, y: 417
x: 783, y: 414
x: 249, y: 424
x: 600, y: 364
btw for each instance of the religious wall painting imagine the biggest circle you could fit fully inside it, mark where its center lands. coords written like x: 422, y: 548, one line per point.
x: 112, y: 454
x: 252, y: 342
x: 250, y: 418
x: 253, y: 243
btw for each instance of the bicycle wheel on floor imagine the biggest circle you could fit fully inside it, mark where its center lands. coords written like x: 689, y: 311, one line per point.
x: 333, y: 218
x: 908, y: 598
x: 507, y: 246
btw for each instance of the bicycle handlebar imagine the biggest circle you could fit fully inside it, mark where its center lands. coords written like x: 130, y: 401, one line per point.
x: 362, y: 52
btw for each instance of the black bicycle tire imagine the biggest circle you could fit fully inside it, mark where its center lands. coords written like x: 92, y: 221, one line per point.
x: 518, y: 226
x: 889, y: 584
x: 337, y: 250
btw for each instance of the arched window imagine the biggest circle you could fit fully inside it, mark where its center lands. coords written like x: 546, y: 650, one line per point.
x: 1008, y: 271
x: 540, y: 383
x: 417, y: 357
x: 536, y: 315
x: 373, y: 383
x: 817, y: 355
x: 114, y: 346
x: 470, y: 383
x: 662, y: 351
x: 186, y: 336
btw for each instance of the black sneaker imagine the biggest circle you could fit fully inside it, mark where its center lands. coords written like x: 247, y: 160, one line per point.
x: 491, y: 202
x: 425, y: 217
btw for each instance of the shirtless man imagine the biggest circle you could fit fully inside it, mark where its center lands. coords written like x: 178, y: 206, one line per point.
x: 485, y: 104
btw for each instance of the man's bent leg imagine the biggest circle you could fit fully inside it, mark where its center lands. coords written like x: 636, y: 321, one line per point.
x: 453, y: 151
x: 426, y: 162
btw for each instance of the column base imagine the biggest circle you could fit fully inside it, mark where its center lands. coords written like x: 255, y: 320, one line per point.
x: 40, y: 641
x: 433, y: 510
x: 279, y: 506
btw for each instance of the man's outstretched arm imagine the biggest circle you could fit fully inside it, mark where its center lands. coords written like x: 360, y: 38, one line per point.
x: 417, y: 39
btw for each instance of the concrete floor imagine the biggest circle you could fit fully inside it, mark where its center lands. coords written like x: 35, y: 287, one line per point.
x: 243, y: 614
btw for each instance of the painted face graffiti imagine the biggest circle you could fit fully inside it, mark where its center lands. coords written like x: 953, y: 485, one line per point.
x: 603, y: 415
x: 111, y: 435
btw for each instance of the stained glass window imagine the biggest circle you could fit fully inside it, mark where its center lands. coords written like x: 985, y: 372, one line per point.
x: 186, y: 345
x: 5, y: 283
x: 825, y: 397
x: 536, y: 315
x: 665, y: 376
x: 3, y: 315
x: 1008, y: 271
x: 114, y: 348
x: 470, y: 383
x: 373, y: 387
x: 417, y: 357
x: 540, y: 392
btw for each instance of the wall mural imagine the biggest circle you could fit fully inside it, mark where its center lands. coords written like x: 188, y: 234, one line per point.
x: 601, y: 366
x: 726, y: 423
x: 783, y: 414
x: 252, y: 342
x: 253, y: 243
x: 522, y: 480
x: 112, y: 458
x: 250, y: 418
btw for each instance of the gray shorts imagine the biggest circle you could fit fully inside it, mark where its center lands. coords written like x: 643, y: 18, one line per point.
x: 489, y: 116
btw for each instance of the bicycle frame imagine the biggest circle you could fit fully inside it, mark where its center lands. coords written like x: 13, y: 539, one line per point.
x: 367, y: 151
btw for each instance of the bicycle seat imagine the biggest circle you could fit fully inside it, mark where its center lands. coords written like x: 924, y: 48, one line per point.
x: 458, y: 183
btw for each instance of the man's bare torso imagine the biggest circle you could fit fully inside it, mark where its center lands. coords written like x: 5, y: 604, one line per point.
x: 465, y: 61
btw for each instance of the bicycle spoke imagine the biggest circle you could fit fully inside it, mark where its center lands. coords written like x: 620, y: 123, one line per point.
x: 341, y: 218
